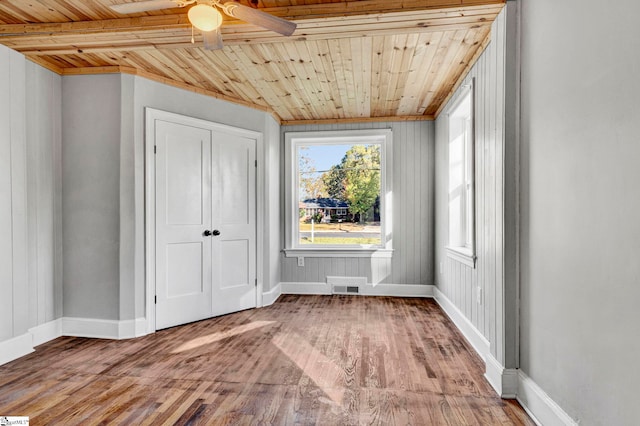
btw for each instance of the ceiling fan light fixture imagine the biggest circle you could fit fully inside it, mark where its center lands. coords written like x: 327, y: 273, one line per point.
x: 205, y: 17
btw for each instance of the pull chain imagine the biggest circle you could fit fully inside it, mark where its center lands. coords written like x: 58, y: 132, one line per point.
x: 193, y: 40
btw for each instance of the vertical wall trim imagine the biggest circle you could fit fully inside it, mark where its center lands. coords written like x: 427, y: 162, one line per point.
x: 56, y: 110
x: 518, y: 82
x: 511, y: 188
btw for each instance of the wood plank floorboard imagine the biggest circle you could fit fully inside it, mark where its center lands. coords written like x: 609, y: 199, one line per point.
x: 305, y: 360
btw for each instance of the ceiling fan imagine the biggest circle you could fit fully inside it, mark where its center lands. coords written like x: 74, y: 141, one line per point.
x: 205, y: 16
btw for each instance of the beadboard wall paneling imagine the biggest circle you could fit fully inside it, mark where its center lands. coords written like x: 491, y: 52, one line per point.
x: 44, y: 178
x: 461, y: 283
x: 413, y: 177
x: 8, y: 121
x: 29, y: 196
x: 14, y: 294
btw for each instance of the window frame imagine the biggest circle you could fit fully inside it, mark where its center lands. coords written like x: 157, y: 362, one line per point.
x: 464, y: 251
x: 293, y: 140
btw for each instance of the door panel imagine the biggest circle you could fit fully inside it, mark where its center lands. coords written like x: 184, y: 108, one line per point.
x: 235, y: 184
x: 183, y: 212
x: 235, y: 254
x: 184, y: 269
x: 233, y: 251
x: 184, y: 179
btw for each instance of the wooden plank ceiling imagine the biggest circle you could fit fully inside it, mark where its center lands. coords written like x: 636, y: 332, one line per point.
x: 354, y: 60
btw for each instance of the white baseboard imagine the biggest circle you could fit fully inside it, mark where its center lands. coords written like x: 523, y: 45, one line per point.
x: 399, y: 290
x: 272, y: 295
x: 103, y: 329
x: 393, y: 290
x: 79, y: 327
x: 479, y: 343
x: 508, y: 382
x: 503, y: 380
x: 542, y: 409
x: 15, y: 347
x: 305, y: 288
x: 88, y: 327
x: 46, y: 332
x: 128, y: 329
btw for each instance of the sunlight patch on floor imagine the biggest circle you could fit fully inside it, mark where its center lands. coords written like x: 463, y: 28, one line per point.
x: 216, y: 337
x: 320, y: 369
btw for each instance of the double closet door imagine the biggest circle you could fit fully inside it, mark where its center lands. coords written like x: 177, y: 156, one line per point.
x: 205, y: 216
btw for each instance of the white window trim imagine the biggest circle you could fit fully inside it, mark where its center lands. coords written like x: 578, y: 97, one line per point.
x: 295, y: 139
x: 462, y: 255
x: 466, y: 254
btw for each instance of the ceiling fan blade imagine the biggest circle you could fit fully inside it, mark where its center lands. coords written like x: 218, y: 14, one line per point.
x: 257, y: 17
x: 144, y: 6
x: 212, y: 39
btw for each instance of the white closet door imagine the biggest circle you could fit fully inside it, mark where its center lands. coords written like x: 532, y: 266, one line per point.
x: 205, y: 222
x: 183, y: 213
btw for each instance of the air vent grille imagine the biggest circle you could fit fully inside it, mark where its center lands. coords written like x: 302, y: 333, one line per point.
x: 347, y: 285
x: 345, y: 289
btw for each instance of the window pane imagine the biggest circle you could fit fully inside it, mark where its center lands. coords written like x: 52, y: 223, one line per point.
x: 461, y: 210
x: 469, y: 208
x: 338, y: 194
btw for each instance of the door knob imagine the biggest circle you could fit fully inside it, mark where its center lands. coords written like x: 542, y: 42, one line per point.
x: 216, y: 232
x: 207, y: 233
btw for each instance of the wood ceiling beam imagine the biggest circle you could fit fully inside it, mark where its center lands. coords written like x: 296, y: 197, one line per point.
x: 146, y: 23
x: 179, y: 20
x: 323, y: 21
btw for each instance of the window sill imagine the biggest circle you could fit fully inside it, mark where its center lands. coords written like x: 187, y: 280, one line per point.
x: 332, y: 252
x: 462, y: 255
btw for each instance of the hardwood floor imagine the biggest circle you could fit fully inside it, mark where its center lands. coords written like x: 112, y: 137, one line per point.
x: 327, y: 360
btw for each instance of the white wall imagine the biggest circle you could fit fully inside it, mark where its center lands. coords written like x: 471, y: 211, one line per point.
x: 580, y: 206
x: 30, y: 245
x: 413, y: 165
x: 91, y: 195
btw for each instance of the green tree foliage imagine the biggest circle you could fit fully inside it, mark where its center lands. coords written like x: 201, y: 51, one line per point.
x: 334, y: 181
x: 362, y: 184
x: 356, y: 179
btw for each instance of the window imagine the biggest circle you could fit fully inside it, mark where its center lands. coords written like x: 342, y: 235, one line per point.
x: 338, y: 193
x: 461, y: 179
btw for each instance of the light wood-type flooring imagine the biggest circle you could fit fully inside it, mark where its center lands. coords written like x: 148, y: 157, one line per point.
x: 326, y: 360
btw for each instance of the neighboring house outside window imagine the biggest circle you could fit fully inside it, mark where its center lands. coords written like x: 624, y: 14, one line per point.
x: 332, y: 210
x: 338, y: 193
x: 461, y: 245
